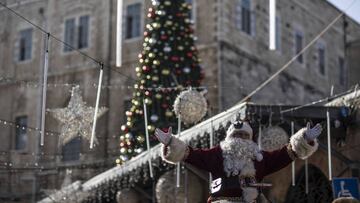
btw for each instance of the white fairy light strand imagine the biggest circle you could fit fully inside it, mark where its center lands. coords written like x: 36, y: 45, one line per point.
x: 31, y: 129
x: 326, y: 99
x: 35, y: 84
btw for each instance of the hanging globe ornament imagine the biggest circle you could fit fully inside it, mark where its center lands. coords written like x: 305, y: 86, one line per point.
x: 191, y: 106
x: 273, y: 138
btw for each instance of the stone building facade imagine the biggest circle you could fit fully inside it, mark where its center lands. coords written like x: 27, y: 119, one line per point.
x: 232, y: 42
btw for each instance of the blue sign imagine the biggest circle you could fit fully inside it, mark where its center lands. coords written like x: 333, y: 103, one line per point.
x: 346, y: 187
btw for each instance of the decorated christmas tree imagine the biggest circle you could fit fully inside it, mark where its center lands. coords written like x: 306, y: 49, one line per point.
x: 167, y: 65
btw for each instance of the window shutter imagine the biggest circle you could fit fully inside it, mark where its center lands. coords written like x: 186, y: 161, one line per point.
x: 28, y: 43
x: 69, y: 34
x: 253, y: 23
x: 238, y: 15
x: 83, y: 34
x: 136, y: 20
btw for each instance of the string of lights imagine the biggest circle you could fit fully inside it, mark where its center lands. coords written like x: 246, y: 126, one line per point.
x: 36, y: 84
x: 28, y: 128
x: 326, y: 99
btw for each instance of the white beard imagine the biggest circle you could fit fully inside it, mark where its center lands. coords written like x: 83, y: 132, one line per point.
x: 238, y: 156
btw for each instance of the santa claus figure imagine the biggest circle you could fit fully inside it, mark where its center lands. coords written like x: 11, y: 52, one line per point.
x: 237, y: 165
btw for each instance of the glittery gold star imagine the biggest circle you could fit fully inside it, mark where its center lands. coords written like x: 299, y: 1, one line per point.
x: 76, y: 118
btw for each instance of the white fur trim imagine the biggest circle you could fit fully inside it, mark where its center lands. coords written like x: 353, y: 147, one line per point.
x: 300, y: 146
x: 248, y: 169
x: 249, y: 194
x: 175, y: 151
x: 259, y: 157
x: 246, y: 128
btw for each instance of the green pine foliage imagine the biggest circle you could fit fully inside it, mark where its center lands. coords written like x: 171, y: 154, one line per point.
x: 168, y: 64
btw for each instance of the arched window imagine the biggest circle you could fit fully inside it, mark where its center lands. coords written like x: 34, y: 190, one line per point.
x: 319, y: 187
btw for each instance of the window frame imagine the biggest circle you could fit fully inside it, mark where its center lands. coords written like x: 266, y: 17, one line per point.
x: 278, y: 34
x: 193, y: 12
x: 19, y: 40
x: 15, y: 146
x: 321, y: 45
x: 125, y: 21
x: 239, y: 18
x: 76, y: 32
x: 299, y: 30
x: 342, y: 66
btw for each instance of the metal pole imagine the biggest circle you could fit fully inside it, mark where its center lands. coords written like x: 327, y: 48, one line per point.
x: 329, y: 136
x: 306, y: 177
x: 147, y: 139
x: 329, y: 144
x: 119, y: 19
x: 292, y: 163
x: 186, y: 186
x: 97, y: 105
x: 211, y: 145
x: 260, y: 136
x: 272, y: 24
x: 44, y: 88
x: 178, y: 167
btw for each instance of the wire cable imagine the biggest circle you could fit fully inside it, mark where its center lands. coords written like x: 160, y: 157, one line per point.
x: 295, y: 57
x: 100, y: 63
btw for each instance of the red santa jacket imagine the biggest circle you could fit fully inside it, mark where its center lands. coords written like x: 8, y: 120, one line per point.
x: 211, y: 160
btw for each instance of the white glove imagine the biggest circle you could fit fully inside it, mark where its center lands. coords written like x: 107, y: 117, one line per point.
x: 163, y: 137
x: 312, y: 133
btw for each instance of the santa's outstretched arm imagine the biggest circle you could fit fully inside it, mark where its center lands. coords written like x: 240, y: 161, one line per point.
x: 304, y: 142
x: 175, y: 150
x: 302, y: 145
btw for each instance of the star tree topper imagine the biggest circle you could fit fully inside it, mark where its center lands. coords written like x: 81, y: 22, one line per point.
x: 76, y: 118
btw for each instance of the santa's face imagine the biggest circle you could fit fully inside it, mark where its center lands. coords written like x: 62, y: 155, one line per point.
x: 241, y: 134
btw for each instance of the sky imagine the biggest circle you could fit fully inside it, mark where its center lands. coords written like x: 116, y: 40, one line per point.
x: 353, y: 11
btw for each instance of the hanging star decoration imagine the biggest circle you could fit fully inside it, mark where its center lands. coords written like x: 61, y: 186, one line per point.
x: 76, y: 118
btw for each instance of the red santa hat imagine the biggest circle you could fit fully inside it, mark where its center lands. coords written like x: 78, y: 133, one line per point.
x: 238, y: 126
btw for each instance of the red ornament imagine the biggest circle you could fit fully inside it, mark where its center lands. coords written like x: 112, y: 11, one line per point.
x: 165, y: 106
x: 146, y: 33
x: 189, y: 54
x: 179, y: 14
x: 164, y: 37
x: 151, y: 15
x: 147, y: 93
x: 146, y: 68
x: 175, y: 58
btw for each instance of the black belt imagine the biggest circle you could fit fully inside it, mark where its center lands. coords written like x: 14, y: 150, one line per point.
x: 234, y: 182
